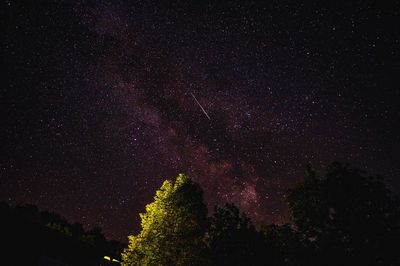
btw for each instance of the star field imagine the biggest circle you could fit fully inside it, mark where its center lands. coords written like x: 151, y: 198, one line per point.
x: 97, y: 107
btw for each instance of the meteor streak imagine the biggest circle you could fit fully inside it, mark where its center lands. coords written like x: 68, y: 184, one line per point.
x: 204, y: 111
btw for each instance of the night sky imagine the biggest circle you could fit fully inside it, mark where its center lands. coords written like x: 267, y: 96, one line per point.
x: 102, y: 101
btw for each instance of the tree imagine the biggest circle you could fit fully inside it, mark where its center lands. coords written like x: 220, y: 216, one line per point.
x: 283, y: 246
x: 232, y: 238
x: 173, y: 227
x: 346, y: 217
x: 28, y: 211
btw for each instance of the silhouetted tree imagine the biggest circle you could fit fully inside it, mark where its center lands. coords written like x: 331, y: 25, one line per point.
x: 95, y: 237
x: 47, y: 217
x: 28, y: 211
x: 284, y: 246
x: 172, y: 227
x: 77, y: 230
x: 232, y: 238
x: 346, y: 217
x: 50, y: 238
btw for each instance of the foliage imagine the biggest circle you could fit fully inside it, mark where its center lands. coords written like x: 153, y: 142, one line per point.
x: 172, y: 227
x: 343, y: 218
x: 232, y: 238
x: 283, y: 246
x: 51, y: 239
x: 346, y: 216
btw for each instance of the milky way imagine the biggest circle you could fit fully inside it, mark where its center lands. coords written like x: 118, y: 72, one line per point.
x: 104, y: 101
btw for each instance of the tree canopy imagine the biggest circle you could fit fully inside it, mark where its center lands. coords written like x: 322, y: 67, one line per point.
x: 232, y: 238
x: 344, y: 217
x: 173, y: 227
x: 50, y: 239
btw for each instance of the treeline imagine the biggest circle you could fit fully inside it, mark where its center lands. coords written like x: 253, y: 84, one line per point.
x: 345, y: 217
x: 34, y: 237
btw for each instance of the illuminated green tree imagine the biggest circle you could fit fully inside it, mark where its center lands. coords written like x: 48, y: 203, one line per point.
x: 172, y: 227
